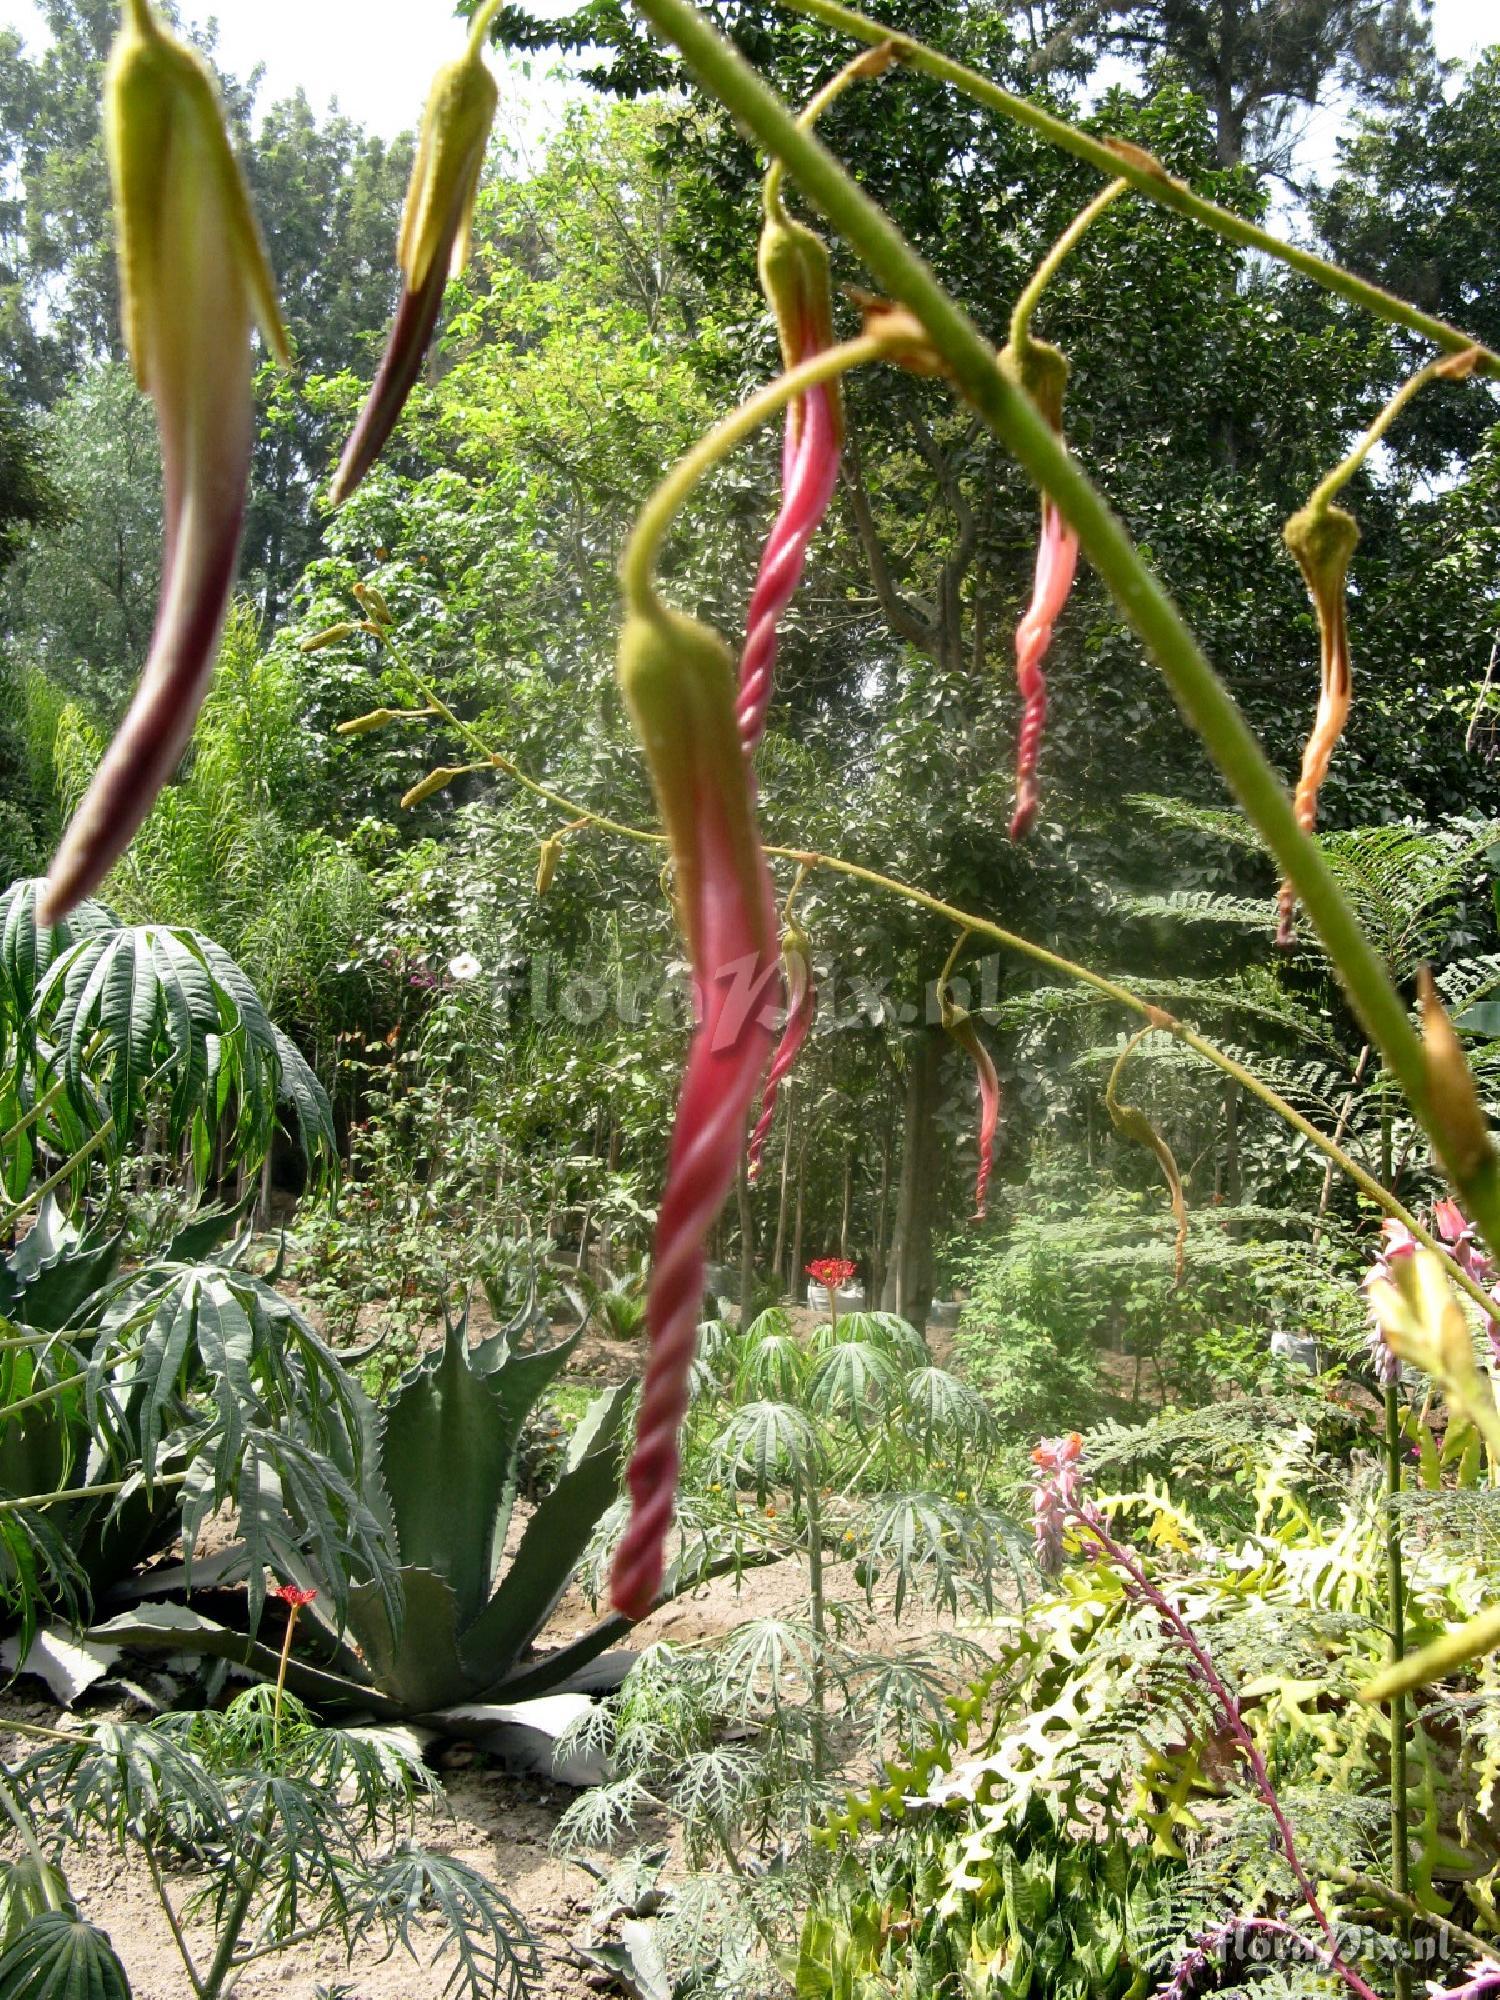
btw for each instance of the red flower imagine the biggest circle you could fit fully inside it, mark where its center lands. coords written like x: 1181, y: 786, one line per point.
x: 831, y: 1272
x: 294, y: 1594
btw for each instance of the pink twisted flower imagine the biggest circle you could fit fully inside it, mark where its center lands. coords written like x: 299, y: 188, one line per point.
x: 801, y: 1006
x: 810, y: 470
x: 1056, y: 563
x: 685, y: 718
x: 959, y: 1024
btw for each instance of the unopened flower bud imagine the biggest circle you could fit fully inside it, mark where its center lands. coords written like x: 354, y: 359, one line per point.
x: 1463, y: 1128
x: 433, y: 782
x: 1323, y: 539
x: 434, y: 240
x: 329, y: 636
x: 547, y: 860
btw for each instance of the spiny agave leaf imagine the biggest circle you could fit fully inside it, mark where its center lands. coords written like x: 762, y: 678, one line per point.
x: 60, y: 1957
x: 556, y: 1536
x: 417, y: 1662
x: 494, y: 1955
x: 48, y: 1280
x: 174, y: 1628
x: 447, y: 1414
x: 204, y: 1233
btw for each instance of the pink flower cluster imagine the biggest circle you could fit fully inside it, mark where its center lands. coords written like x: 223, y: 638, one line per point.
x: 1456, y: 1233
x: 1057, y: 1494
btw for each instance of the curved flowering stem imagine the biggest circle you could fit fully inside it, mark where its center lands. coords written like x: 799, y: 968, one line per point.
x: 1132, y: 1123
x: 1117, y: 157
x: 958, y: 1023
x: 967, y: 358
x: 1144, y: 1590
x: 801, y: 1006
x: 888, y: 340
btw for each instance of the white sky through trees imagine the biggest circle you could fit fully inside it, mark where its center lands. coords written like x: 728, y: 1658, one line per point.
x: 377, y: 56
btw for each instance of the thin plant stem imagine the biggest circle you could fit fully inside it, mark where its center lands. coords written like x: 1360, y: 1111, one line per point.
x: 817, y: 1614
x: 37, y: 1501
x: 1056, y: 257
x: 281, y: 1667
x: 1381, y: 1892
x: 1396, y: 1596
x: 1141, y: 597
x: 69, y: 1166
x: 871, y: 63
x: 1146, y: 175
x: 1229, y: 1708
x: 234, y: 1922
x: 178, y: 1938
x: 59, y: 1388
x: 1442, y: 369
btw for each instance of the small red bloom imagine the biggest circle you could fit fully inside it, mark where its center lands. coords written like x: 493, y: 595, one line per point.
x: 831, y: 1272
x: 294, y: 1594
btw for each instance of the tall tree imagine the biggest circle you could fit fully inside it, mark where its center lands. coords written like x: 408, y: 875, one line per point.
x: 1259, y: 65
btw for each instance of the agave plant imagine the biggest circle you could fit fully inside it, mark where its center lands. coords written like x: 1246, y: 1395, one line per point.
x: 102, y: 1024
x: 472, y: 1599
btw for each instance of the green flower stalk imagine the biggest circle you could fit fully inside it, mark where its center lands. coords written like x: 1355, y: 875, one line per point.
x: 194, y: 282
x: 433, y: 243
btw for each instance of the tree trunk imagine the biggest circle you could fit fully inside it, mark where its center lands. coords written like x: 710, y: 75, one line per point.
x: 747, y: 1240
x: 908, y: 1277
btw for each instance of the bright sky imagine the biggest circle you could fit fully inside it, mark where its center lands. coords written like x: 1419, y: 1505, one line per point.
x: 377, y: 56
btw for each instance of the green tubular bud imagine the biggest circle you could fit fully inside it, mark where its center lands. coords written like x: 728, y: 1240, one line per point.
x: 329, y: 636
x: 433, y: 782
x: 1456, y: 1108
x: 161, y: 119
x: 796, y: 278
x: 373, y: 604
x: 547, y: 860
x: 1042, y: 370
x: 445, y: 176
x: 678, y: 681
x: 1323, y: 538
x: 361, y: 725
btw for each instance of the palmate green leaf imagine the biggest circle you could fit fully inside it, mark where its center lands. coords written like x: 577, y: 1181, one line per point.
x: 298, y: 1087
x: 852, y: 1379
x: 771, y: 1365
x: 494, y: 1955
x: 60, y: 1957
x: 939, y: 1406
x: 124, y: 1781
x: 767, y: 1444
x: 767, y: 1663
x: 28, y: 949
